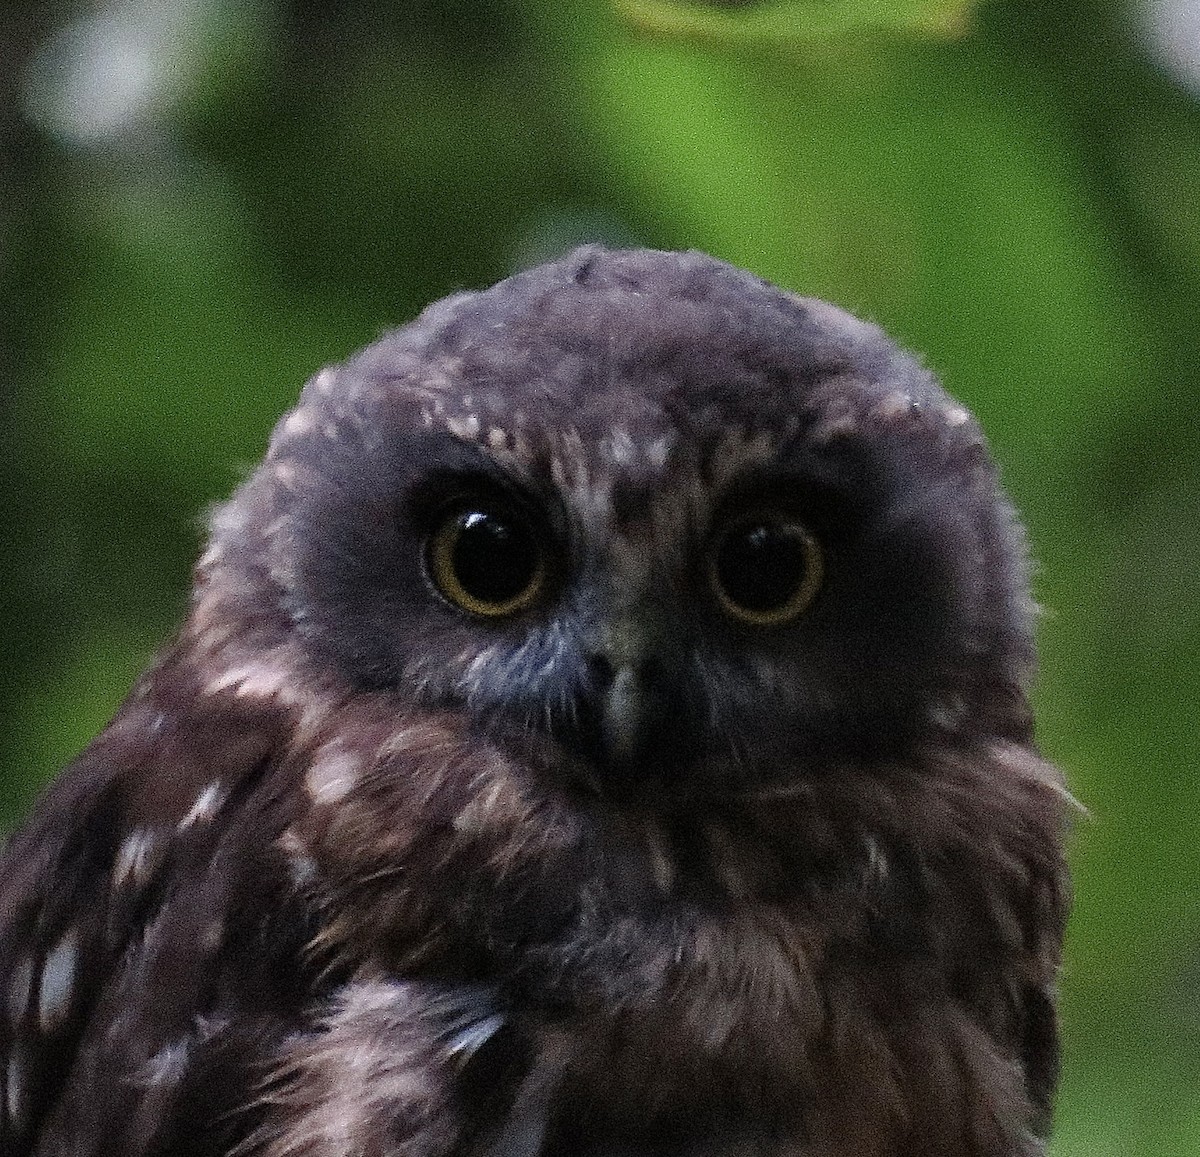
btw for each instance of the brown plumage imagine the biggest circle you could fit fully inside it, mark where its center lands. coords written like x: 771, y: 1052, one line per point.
x: 600, y: 728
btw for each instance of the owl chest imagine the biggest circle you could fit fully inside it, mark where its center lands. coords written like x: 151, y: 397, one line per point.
x: 660, y: 1084
x: 925, y: 1080
x: 749, y: 1011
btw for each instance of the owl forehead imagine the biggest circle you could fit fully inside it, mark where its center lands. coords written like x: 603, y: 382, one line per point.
x: 628, y: 469
x: 637, y: 446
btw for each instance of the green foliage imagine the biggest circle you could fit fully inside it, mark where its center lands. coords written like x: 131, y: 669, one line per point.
x: 1020, y: 203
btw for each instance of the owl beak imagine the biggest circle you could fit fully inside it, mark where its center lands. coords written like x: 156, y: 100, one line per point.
x: 626, y: 697
x: 618, y: 688
x: 623, y: 716
x: 630, y: 691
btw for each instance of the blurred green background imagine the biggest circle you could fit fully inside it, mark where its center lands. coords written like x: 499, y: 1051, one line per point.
x: 202, y: 201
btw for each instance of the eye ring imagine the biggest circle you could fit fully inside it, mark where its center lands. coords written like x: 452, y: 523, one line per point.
x: 486, y: 560
x: 765, y: 568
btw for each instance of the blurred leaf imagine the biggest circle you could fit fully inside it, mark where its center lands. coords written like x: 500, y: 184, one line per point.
x: 795, y: 21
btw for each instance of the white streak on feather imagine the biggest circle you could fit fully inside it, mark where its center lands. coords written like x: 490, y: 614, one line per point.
x: 167, y: 1066
x: 211, y: 556
x: 14, y: 1090
x: 423, y: 735
x: 619, y: 447
x: 204, y: 807
x: 286, y: 472
x: 468, y: 1040
x: 878, y: 865
x: 893, y: 405
x: 266, y: 676
x: 332, y: 775
x: 133, y: 862
x: 657, y: 451
x: 57, y: 984
x: 465, y: 426
x: 299, y: 421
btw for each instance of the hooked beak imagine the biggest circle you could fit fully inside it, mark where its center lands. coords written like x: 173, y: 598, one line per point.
x: 623, y: 716
x: 629, y: 698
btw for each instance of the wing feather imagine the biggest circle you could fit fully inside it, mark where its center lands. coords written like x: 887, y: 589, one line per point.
x: 150, y: 866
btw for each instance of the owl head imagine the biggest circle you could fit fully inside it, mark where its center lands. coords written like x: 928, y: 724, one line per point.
x: 682, y: 530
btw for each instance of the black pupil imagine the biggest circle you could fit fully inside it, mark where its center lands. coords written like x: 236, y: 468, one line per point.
x: 761, y: 566
x: 494, y: 557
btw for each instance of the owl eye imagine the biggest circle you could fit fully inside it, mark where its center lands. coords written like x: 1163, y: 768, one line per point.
x: 486, y: 561
x: 766, y: 569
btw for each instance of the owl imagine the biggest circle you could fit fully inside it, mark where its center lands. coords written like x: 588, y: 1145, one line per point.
x: 600, y: 728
